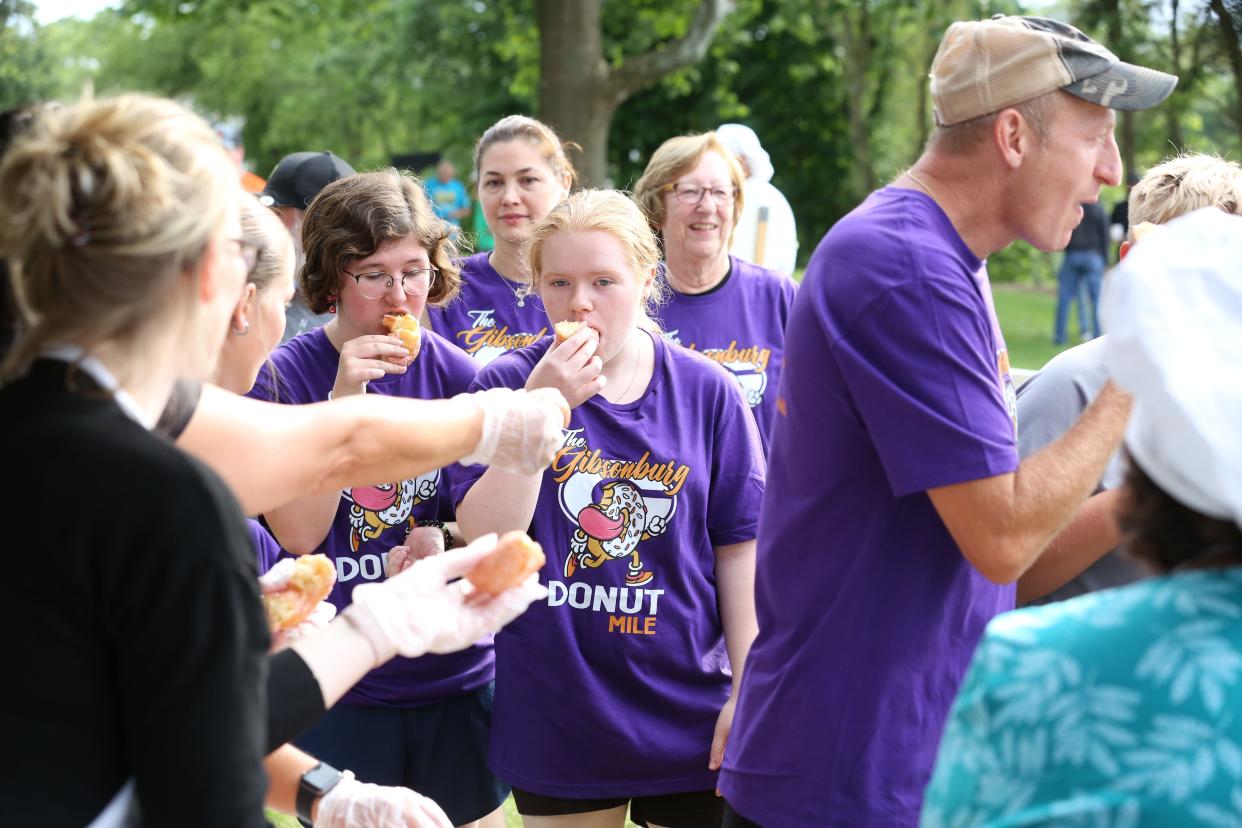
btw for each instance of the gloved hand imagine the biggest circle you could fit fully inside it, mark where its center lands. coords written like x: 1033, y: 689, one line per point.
x: 521, y: 429
x: 354, y: 804
x: 276, y: 579
x: 418, y: 611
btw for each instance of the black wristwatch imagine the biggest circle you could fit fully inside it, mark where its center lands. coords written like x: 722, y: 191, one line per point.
x: 439, y: 524
x: 315, y: 783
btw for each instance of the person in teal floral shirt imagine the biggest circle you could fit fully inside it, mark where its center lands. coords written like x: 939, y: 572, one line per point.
x: 1124, y: 707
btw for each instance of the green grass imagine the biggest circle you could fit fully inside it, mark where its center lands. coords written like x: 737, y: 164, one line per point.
x: 1025, y: 315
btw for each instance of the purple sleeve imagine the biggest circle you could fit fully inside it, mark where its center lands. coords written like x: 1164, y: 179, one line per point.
x: 737, y: 479
x: 922, y: 371
x: 282, y: 378
x: 267, y: 550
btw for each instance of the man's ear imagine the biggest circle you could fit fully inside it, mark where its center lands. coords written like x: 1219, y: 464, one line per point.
x: 1124, y: 249
x: 1012, y: 137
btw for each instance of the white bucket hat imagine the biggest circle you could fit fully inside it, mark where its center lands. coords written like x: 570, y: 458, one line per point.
x: 1173, y: 313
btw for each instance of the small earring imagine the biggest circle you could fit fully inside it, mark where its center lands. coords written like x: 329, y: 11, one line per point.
x: 245, y: 328
x: 331, y: 303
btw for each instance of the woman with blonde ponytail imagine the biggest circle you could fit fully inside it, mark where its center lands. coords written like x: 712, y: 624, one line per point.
x: 141, y: 639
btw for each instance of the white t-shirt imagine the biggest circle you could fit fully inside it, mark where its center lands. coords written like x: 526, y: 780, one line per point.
x: 780, y: 249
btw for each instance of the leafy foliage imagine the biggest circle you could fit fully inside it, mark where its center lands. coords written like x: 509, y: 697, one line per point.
x: 836, y: 89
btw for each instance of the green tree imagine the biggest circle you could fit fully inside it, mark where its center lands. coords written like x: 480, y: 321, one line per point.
x: 25, y: 63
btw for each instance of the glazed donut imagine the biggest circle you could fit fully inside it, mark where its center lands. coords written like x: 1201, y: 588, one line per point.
x: 312, y: 580
x: 515, y: 557
x: 406, y: 327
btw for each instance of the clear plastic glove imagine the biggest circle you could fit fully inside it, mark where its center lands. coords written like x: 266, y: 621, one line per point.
x: 276, y: 579
x: 320, y: 617
x: 418, y: 611
x: 354, y: 804
x: 521, y: 429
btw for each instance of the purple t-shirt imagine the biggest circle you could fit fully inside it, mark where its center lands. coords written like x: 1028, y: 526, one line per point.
x: 486, y: 319
x: 741, y: 325
x: 612, y: 686
x: 868, y: 612
x: 267, y: 550
x: 370, y: 520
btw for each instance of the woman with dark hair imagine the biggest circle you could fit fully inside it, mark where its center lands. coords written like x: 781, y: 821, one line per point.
x: 1120, y: 707
x: 523, y: 172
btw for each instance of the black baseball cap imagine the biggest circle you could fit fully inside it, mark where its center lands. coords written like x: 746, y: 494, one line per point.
x: 299, y: 177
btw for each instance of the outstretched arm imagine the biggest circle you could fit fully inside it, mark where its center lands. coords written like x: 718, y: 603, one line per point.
x: 1003, y: 524
x: 270, y: 453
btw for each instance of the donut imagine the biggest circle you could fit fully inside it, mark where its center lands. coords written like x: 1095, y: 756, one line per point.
x: 312, y: 580
x: 567, y: 328
x: 406, y: 327
x: 515, y: 557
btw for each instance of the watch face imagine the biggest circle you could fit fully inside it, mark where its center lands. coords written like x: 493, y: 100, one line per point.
x: 321, y: 778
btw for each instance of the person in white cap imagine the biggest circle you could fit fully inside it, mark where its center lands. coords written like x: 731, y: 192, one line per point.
x: 897, y: 515
x: 1050, y: 402
x: 1120, y: 707
x: 765, y: 232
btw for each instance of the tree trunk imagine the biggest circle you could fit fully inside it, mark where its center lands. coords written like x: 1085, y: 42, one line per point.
x: 573, y: 81
x: 856, y: 34
x: 1172, y: 112
x: 1229, y: 34
x: 1117, y: 42
x: 579, y: 92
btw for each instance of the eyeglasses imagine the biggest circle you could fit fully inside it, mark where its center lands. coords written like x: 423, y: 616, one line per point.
x: 413, y: 282
x: 693, y: 194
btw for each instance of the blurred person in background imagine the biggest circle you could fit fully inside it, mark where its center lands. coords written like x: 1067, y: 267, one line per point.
x: 295, y: 181
x: 766, y: 233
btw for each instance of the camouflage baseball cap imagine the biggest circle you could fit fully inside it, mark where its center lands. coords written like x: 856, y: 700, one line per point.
x: 986, y: 65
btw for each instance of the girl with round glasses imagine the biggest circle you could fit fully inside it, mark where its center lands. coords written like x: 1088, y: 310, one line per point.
x: 373, y: 247
x: 725, y: 307
x: 523, y: 173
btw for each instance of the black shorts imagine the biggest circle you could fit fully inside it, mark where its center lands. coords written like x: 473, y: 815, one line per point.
x: 693, y: 809
x: 439, y: 750
x: 733, y: 819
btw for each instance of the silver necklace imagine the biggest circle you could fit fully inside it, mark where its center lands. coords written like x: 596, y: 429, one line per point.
x: 922, y: 185
x: 634, y: 375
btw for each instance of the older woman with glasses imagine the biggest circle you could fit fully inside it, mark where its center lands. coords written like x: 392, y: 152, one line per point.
x: 730, y: 310
x: 374, y: 247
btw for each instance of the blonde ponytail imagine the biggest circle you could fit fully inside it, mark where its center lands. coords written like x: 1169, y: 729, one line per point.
x: 103, y: 206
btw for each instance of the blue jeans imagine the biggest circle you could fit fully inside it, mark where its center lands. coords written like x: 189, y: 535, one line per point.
x: 1079, y: 278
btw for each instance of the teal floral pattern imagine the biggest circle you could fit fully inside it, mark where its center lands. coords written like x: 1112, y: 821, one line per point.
x: 1119, y: 709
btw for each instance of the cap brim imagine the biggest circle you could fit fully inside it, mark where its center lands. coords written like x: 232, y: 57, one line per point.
x: 1125, y: 86
x: 272, y: 200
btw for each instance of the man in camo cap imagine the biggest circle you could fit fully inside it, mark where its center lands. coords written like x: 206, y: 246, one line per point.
x: 897, y: 515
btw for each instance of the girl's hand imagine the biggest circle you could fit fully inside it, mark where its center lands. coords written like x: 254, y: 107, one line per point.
x: 368, y: 358
x: 571, y: 367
